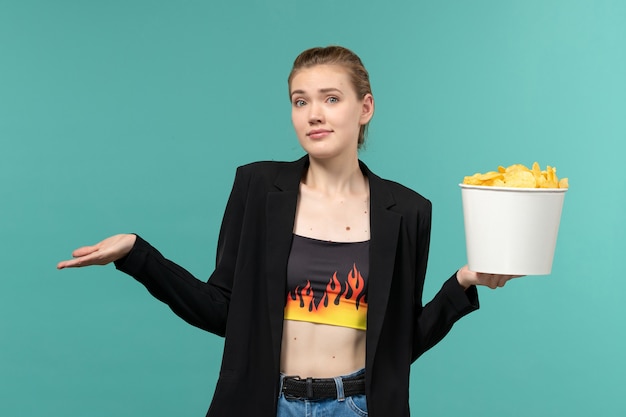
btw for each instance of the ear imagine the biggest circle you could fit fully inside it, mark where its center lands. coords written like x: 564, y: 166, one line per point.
x: 367, y: 109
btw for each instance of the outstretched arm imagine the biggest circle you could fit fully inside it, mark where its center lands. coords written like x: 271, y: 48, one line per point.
x: 109, y: 250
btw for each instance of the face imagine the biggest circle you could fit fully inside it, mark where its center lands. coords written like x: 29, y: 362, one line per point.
x: 326, y: 112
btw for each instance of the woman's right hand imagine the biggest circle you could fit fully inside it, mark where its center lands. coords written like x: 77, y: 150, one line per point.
x: 109, y: 250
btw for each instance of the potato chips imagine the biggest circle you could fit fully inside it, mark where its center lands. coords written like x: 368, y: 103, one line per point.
x: 518, y: 176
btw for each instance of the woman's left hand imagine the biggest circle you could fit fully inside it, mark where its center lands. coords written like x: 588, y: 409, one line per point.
x: 467, y: 278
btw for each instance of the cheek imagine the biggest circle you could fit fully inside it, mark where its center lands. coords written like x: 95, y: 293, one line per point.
x: 350, y: 119
x: 347, y: 114
x: 299, y: 124
x: 294, y: 119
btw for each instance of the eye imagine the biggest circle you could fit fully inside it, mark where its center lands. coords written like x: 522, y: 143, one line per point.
x: 332, y: 99
x: 299, y: 102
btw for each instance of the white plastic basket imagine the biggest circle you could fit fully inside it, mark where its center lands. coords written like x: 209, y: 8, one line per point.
x: 511, y: 230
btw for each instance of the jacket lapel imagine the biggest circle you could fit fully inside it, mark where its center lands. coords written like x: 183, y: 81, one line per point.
x: 385, y: 227
x: 281, y: 213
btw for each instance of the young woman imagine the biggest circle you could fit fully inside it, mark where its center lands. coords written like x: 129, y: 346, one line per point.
x: 320, y: 268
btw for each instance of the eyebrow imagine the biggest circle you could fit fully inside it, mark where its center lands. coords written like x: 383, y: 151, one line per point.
x: 321, y: 90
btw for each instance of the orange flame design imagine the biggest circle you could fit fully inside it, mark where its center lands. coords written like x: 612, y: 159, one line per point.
x: 338, y: 304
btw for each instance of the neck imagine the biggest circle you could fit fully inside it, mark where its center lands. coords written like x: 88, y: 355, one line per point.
x: 335, y: 175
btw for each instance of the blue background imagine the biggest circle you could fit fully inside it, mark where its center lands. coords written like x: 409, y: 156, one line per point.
x: 131, y: 116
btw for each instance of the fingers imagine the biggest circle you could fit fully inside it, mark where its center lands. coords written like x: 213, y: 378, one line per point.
x: 67, y: 264
x: 80, y: 256
x: 467, y: 277
x: 85, y: 250
x: 79, y: 261
x: 494, y: 281
x: 501, y: 281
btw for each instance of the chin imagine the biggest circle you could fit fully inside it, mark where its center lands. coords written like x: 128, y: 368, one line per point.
x: 319, y: 152
x: 323, y: 149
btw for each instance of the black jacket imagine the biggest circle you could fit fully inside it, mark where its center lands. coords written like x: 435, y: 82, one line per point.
x: 244, y: 297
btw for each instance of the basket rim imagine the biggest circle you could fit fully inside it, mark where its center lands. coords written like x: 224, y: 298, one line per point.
x: 513, y: 189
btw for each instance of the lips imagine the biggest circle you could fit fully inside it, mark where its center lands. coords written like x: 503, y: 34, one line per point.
x: 318, y: 133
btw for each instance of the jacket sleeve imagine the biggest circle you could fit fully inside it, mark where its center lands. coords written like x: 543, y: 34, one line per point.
x: 435, y: 319
x: 202, y: 304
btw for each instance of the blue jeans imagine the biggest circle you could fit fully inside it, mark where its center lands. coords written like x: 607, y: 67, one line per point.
x: 341, y: 406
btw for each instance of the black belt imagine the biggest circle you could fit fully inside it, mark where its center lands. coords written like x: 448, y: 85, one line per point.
x: 320, y: 388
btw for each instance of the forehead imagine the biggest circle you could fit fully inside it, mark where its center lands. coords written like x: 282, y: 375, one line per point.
x: 321, y: 77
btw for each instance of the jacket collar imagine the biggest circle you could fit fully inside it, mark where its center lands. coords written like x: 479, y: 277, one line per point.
x: 288, y: 179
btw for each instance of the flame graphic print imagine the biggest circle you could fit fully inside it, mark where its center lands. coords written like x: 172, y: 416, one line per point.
x: 340, y: 304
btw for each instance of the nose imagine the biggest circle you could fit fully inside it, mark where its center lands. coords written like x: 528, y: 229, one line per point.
x: 316, y: 114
